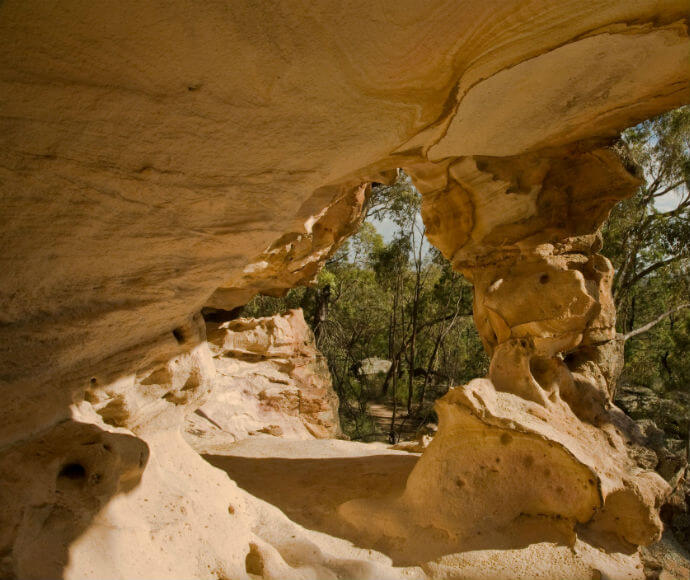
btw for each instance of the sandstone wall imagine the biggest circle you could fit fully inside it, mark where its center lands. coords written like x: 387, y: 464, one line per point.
x: 151, y: 153
x: 270, y: 379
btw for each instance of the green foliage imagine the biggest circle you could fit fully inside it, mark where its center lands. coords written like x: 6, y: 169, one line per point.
x: 648, y: 240
x: 380, y: 294
x: 402, y: 302
x: 268, y: 306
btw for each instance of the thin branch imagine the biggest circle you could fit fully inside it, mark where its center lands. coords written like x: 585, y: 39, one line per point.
x: 669, y: 188
x: 656, y: 266
x: 653, y: 323
x: 680, y: 208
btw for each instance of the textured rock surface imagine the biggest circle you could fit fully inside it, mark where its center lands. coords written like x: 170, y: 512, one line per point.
x: 296, y: 258
x: 269, y: 379
x: 536, y: 451
x: 150, y: 153
x: 662, y: 420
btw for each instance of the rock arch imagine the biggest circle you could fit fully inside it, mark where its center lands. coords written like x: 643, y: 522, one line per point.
x: 153, y: 152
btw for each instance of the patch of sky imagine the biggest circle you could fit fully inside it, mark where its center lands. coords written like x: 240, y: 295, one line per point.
x: 670, y: 200
x: 388, y: 230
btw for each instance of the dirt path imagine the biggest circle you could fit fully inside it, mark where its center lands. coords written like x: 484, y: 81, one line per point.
x: 406, y: 428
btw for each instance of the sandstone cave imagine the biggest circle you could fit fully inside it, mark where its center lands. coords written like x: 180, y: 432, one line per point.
x: 164, y: 159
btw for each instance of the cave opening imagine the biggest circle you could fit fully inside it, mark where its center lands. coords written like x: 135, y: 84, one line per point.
x: 381, y: 409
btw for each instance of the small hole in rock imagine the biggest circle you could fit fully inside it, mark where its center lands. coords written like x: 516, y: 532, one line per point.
x: 506, y: 438
x: 178, y: 333
x: 544, y: 278
x: 93, y: 380
x: 73, y: 471
x: 231, y: 510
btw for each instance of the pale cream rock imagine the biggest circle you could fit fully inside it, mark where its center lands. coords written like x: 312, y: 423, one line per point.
x: 269, y: 379
x: 152, y: 153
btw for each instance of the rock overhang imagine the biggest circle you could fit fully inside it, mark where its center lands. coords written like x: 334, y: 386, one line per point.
x: 148, y: 161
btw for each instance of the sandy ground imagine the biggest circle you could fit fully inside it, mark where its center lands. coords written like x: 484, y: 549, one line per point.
x: 381, y: 413
x: 307, y: 480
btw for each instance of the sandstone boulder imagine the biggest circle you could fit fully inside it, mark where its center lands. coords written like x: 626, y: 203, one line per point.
x: 270, y: 379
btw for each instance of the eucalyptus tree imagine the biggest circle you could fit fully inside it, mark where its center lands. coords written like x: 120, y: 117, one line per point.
x: 648, y: 240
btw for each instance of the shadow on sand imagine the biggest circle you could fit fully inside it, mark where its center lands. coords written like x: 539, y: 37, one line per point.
x: 309, y: 491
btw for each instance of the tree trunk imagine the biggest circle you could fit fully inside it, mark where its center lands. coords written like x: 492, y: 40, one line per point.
x: 415, y: 311
x: 323, y: 297
x: 392, y: 435
x: 430, y: 366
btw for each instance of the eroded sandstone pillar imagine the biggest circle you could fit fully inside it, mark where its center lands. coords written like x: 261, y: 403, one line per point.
x: 150, y: 164
x: 535, y: 453
x: 540, y: 437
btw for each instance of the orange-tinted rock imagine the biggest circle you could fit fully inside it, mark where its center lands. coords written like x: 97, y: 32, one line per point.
x: 270, y: 378
x: 153, y: 155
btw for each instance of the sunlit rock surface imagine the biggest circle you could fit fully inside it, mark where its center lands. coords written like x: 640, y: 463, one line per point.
x: 269, y: 379
x: 154, y: 155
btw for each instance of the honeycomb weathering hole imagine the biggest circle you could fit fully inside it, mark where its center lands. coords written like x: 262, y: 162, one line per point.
x: 72, y: 472
x: 178, y: 333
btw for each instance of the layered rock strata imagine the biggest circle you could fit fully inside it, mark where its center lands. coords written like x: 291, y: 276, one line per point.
x: 270, y: 379
x: 296, y: 258
x: 151, y: 152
